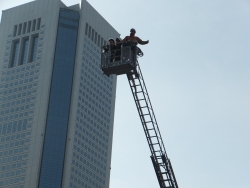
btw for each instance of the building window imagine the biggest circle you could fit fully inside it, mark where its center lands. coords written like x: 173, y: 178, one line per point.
x: 86, y: 29
x: 14, y: 57
x: 89, y: 31
x: 95, y: 37
x: 24, y: 53
x: 34, y: 25
x: 15, y: 31
x: 102, y: 43
x: 34, y: 48
x: 61, y: 81
x: 99, y: 42
x: 19, y: 29
x: 29, y: 27
x: 24, y: 27
x: 38, y: 23
x: 92, y: 35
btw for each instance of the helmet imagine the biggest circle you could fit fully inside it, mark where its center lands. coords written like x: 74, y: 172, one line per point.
x: 132, y: 30
x: 112, y: 39
x: 118, y: 39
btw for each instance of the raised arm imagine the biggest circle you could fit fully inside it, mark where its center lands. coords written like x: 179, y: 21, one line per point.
x: 141, y: 42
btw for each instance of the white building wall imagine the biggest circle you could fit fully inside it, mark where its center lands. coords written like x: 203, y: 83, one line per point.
x: 48, y: 11
x: 88, y: 15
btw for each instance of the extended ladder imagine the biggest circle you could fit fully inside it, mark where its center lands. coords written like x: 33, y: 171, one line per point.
x: 161, y: 162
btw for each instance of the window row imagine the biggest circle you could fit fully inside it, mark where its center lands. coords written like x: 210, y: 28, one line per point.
x: 18, y: 89
x: 101, y: 105
x: 91, y: 48
x: 96, y: 145
x: 95, y: 112
x: 13, y: 127
x: 14, y: 137
x: 14, y: 144
x: 83, y: 183
x: 94, y: 77
x: 12, y: 181
x: 12, y: 97
x: 98, y: 71
x: 16, y: 103
x: 19, y: 76
x: 16, y: 117
x: 12, y: 173
x: 16, y: 83
x: 87, y: 167
x: 27, y: 27
x: 13, y: 158
x: 84, y: 116
x: 98, y: 75
x: 23, y: 50
x: 94, y: 36
x: 21, y: 69
x: 105, y: 90
x: 13, y: 166
x: 17, y: 109
x: 84, y: 177
x: 100, y: 132
x: 91, y: 86
x: 82, y: 100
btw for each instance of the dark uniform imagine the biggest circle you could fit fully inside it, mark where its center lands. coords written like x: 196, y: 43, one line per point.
x: 118, y: 50
x: 110, y: 47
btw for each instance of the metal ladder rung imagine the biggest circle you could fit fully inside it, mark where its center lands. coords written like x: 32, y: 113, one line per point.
x: 149, y: 122
x: 147, y: 107
x: 140, y: 100
x: 138, y: 91
x: 144, y: 114
x: 151, y: 129
x: 164, y: 173
x: 135, y: 85
x: 151, y: 137
x: 166, y: 179
x: 154, y: 144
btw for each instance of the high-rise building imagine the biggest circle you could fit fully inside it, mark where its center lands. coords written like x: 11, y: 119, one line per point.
x: 56, y: 106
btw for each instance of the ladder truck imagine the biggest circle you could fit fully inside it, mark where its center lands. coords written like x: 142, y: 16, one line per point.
x: 128, y: 64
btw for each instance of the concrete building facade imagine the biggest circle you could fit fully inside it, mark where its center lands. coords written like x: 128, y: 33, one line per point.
x: 56, y: 106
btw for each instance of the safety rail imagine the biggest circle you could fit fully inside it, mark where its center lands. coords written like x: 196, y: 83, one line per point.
x: 126, y: 62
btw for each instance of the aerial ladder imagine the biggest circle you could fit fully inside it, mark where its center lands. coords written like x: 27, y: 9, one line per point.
x: 128, y: 64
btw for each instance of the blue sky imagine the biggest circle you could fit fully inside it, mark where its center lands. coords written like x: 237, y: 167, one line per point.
x: 197, y: 71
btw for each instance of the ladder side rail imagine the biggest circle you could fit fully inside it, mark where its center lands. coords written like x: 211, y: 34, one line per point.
x: 165, y: 166
x: 158, y: 130
x: 171, y: 169
x: 158, y: 135
x: 153, y: 157
x: 168, y: 166
x: 143, y: 121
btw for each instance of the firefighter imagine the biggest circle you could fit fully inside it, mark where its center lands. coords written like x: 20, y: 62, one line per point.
x: 118, y: 44
x: 110, y: 46
x: 133, y: 38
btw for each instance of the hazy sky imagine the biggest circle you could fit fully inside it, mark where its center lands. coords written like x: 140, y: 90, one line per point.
x: 197, y: 71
